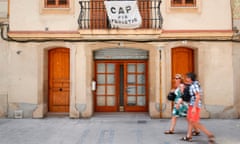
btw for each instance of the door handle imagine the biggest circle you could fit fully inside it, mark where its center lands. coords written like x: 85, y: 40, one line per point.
x: 94, y: 85
x: 60, y: 89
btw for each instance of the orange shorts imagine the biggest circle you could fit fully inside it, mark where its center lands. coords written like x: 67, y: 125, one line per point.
x: 193, y: 117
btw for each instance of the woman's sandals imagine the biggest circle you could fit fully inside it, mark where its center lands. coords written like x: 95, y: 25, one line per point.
x: 169, y: 132
x: 211, y: 139
x: 195, y: 133
x: 189, y: 139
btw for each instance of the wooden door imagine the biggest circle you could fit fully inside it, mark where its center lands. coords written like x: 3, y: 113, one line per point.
x: 121, y: 86
x: 59, y: 68
x: 106, y: 95
x: 182, y: 61
x: 135, y: 97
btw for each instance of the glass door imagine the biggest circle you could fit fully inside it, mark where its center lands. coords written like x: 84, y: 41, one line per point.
x: 106, y: 92
x: 136, y: 87
x: 121, y: 86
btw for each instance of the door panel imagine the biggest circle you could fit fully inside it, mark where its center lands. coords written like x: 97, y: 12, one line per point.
x: 121, y: 84
x: 59, y: 80
x: 182, y: 61
x: 135, y: 95
x: 106, y: 92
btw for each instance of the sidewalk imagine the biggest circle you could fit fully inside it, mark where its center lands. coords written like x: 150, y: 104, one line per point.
x: 110, y: 129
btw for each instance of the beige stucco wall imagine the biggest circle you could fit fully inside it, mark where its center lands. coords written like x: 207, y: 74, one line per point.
x: 236, y: 77
x: 23, y: 77
x: 3, y: 77
x: 203, y: 17
x: 154, y: 69
x: 4, y: 51
x: 25, y: 81
x: 216, y: 72
x: 24, y: 73
x: 236, y: 52
x: 33, y: 17
x: 213, y: 65
x: 82, y: 73
x: 4, y: 55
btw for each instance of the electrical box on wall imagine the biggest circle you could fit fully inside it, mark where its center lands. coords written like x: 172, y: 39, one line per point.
x: 18, y: 114
x: 94, y: 85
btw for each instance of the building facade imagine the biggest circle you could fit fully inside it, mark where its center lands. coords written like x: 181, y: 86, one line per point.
x: 78, y: 57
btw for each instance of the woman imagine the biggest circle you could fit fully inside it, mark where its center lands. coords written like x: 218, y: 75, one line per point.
x: 180, y: 107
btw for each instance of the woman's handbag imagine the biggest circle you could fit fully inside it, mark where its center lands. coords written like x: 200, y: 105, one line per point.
x: 171, y: 96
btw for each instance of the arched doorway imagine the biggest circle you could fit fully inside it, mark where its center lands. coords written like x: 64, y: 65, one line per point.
x: 182, y: 61
x: 58, y: 80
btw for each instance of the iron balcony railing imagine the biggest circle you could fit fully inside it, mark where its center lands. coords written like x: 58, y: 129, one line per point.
x: 93, y: 14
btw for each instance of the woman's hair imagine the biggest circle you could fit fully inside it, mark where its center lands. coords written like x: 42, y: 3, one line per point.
x: 179, y: 76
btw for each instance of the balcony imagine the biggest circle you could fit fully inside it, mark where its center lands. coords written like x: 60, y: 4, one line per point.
x: 93, y: 17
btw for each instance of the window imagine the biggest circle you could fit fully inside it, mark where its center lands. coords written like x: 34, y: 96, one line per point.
x: 56, y: 4
x: 183, y: 3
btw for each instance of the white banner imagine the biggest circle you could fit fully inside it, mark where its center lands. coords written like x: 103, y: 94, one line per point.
x: 123, y: 14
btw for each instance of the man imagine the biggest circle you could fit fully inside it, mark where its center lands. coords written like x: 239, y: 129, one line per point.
x: 194, y: 109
